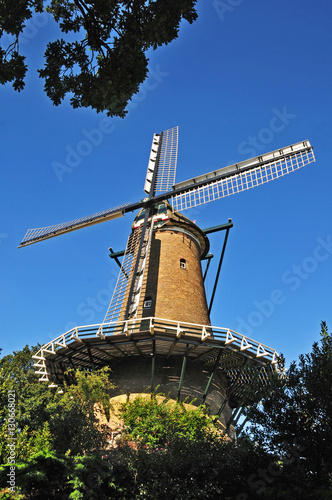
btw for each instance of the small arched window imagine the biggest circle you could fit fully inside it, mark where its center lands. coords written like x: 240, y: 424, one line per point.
x: 183, y: 263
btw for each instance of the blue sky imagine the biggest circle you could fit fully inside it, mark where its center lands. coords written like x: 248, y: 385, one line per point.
x: 223, y: 81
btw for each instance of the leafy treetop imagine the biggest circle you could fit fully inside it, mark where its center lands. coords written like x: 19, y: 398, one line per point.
x: 100, y: 61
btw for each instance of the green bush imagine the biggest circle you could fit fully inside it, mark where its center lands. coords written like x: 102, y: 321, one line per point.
x: 154, y: 421
x: 44, y: 476
x: 101, y: 476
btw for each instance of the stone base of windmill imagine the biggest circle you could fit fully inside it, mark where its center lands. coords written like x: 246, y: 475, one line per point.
x: 134, y: 376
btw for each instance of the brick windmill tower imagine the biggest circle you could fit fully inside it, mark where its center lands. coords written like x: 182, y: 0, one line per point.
x: 157, y: 331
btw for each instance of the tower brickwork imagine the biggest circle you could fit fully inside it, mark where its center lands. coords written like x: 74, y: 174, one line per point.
x: 174, y: 283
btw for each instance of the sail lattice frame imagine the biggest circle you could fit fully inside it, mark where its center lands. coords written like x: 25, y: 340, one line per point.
x: 42, y: 233
x: 118, y: 309
x: 124, y: 278
x: 167, y: 160
x: 242, y: 180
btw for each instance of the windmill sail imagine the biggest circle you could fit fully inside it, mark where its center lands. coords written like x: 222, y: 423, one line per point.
x: 162, y: 161
x: 242, y: 176
x: 167, y: 160
x: 124, y: 278
x: 130, y: 277
x: 43, y: 233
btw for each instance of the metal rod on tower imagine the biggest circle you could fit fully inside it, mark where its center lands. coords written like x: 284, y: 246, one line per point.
x: 208, y: 258
x: 219, y: 268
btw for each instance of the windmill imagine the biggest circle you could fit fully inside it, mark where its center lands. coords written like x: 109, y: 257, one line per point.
x: 157, y: 330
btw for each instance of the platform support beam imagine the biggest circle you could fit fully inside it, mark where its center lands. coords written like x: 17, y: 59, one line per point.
x: 153, y: 364
x: 211, y: 377
x: 231, y: 390
x: 183, y: 370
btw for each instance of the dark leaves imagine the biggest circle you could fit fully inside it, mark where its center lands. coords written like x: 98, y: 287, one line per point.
x: 13, y: 69
x: 297, y: 414
x: 106, y: 63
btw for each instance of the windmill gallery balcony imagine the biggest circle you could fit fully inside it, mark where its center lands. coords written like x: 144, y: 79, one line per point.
x: 210, y: 364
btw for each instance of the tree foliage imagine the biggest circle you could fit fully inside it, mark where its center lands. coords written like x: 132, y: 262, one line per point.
x: 47, y: 419
x: 295, y: 421
x: 100, y: 60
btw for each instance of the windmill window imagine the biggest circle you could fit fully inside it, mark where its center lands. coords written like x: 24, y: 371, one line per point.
x: 183, y: 263
x: 162, y: 209
x: 147, y: 303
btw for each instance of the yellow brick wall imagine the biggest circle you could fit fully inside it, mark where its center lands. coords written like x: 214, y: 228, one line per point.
x: 177, y: 294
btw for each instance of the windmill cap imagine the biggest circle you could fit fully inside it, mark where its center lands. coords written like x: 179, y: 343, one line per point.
x: 166, y: 218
